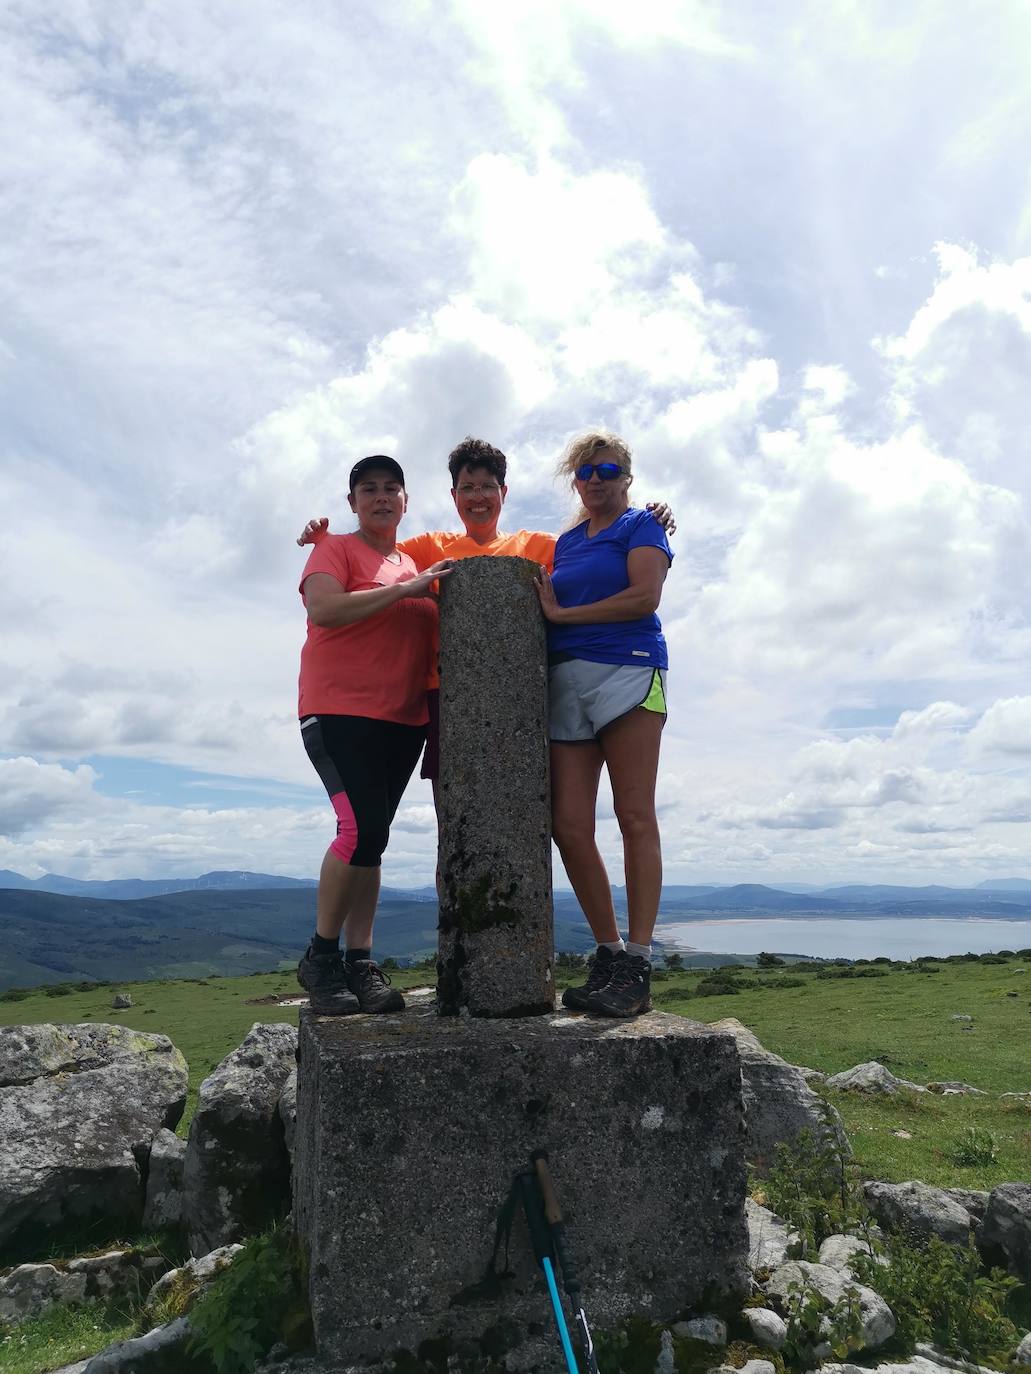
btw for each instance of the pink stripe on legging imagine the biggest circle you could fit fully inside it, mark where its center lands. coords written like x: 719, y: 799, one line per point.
x: 346, y: 841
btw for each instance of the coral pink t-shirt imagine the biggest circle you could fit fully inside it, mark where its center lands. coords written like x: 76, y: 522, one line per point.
x: 377, y: 667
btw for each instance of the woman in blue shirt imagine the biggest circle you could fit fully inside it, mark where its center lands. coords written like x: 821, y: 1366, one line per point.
x: 607, y: 683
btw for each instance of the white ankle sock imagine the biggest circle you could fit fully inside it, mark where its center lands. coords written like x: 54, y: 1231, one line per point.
x: 613, y: 946
x: 642, y: 951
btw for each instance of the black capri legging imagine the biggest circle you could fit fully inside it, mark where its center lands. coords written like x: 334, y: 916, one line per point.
x: 364, y: 765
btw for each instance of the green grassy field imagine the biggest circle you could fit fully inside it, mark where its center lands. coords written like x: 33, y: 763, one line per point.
x: 902, y: 1018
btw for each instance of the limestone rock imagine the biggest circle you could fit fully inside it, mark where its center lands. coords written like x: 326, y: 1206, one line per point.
x: 1022, y: 1355
x: 872, y: 1077
x: 758, y: 1367
x: 768, y: 1328
x: 974, y: 1200
x: 1006, y: 1231
x: 779, y: 1103
x: 121, y: 1001
x: 709, y: 1329
x: 161, y: 1351
x: 920, y: 1209
x: 837, y: 1252
x: 288, y: 1112
x: 236, y: 1177
x: 960, y: 1016
x: 667, y: 1358
x: 811, y: 1075
x: 163, y: 1205
x: 878, y: 1321
x: 769, y: 1240
x: 951, y: 1088
x: 189, y: 1281
x: 31, y: 1288
x: 79, y: 1106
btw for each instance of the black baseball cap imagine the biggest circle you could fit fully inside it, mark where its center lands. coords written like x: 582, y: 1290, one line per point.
x: 376, y: 462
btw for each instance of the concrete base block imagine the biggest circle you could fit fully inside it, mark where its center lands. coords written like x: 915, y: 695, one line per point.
x: 409, y: 1129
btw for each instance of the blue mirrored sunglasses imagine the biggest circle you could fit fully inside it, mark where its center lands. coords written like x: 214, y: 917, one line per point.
x: 608, y: 472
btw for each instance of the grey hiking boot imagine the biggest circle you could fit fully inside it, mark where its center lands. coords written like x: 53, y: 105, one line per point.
x: 600, y: 973
x: 324, y: 979
x: 371, y: 987
x: 628, y: 991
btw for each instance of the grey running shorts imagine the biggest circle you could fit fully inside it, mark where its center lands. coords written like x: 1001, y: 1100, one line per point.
x: 585, y: 697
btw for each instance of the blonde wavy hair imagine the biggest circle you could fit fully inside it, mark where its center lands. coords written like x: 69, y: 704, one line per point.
x: 581, y: 449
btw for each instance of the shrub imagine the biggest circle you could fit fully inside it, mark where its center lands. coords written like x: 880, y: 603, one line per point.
x: 813, y: 1187
x: 939, y: 1293
x: 812, y: 1319
x: 15, y: 994
x: 261, y: 1299
x: 781, y: 983
x: 852, y: 971
x: 993, y: 959
x: 715, y: 985
x: 975, y: 1148
x: 769, y: 960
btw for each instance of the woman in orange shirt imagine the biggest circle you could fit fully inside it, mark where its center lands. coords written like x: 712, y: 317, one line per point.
x: 372, y: 624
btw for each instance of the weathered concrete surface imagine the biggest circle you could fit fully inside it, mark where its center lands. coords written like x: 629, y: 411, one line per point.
x: 79, y: 1106
x: 426, y: 1119
x: 494, y: 802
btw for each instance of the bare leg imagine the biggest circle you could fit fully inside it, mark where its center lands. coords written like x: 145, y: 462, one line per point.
x: 365, y: 895
x: 575, y: 771
x: 347, y: 895
x: 631, y: 749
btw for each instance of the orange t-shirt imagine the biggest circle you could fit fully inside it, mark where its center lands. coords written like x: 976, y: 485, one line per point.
x: 377, y: 667
x: 427, y: 549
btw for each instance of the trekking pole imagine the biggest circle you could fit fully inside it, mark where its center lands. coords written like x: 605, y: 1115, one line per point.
x: 570, y: 1278
x: 540, y: 1239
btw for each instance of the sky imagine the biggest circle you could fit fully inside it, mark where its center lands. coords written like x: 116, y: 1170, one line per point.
x: 784, y: 249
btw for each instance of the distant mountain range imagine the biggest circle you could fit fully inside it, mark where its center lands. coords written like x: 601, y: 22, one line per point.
x: 238, y: 922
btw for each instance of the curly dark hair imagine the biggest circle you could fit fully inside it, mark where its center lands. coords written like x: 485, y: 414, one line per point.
x: 477, y: 453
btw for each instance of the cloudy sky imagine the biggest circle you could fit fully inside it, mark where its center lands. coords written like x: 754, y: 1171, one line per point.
x: 784, y: 248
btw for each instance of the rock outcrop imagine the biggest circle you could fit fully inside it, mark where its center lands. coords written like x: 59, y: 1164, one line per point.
x: 920, y: 1209
x: 872, y: 1078
x: 163, y: 1207
x: 779, y: 1103
x: 770, y: 1242
x: 30, y: 1289
x: 236, y: 1177
x: 1005, y: 1235
x: 79, y: 1106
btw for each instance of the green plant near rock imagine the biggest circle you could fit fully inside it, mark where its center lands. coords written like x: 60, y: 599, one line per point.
x: 813, y: 1319
x: 941, y: 1293
x: 975, y: 1148
x: 259, y: 1301
x: 814, y: 1187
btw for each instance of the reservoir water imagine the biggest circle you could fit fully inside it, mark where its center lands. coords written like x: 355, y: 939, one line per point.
x: 842, y: 937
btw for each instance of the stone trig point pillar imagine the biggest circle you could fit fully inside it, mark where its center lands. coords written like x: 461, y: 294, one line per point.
x: 493, y: 799
x: 410, y: 1127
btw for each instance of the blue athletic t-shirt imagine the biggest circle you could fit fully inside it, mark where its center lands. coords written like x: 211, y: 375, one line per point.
x: 591, y: 569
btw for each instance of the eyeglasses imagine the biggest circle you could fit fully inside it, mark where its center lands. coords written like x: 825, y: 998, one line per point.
x: 482, y: 489
x: 608, y: 472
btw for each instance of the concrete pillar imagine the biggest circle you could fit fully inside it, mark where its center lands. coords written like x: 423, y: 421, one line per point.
x: 494, y: 804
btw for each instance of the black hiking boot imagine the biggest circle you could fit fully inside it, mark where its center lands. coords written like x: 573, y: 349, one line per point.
x: 324, y: 979
x: 371, y: 987
x: 599, y: 974
x: 628, y: 991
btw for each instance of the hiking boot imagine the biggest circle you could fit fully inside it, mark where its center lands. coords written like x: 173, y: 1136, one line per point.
x: 628, y: 991
x: 598, y: 975
x: 324, y: 979
x: 371, y: 987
